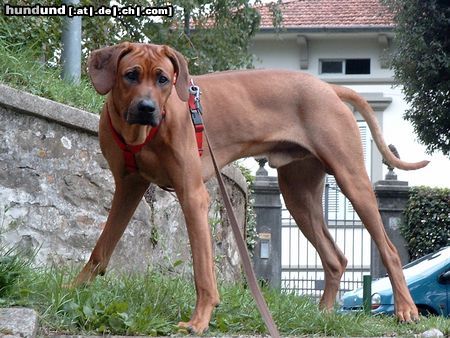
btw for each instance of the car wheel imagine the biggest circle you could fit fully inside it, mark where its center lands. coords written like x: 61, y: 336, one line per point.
x: 426, y: 311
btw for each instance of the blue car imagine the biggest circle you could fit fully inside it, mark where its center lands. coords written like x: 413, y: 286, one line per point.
x: 428, y: 279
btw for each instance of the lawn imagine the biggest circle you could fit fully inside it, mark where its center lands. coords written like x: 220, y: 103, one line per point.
x: 153, y: 303
x: 19, y: 69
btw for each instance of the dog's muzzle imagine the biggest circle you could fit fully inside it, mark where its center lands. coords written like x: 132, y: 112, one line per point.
x: 144, y: 112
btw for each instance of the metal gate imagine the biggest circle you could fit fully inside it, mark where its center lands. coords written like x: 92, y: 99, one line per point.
x: 302, y: 271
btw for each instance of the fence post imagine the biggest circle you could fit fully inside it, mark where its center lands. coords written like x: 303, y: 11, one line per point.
x: 267, y: 255
x: 367, y: 294
x: 392, y: 196
x: 71, y: 46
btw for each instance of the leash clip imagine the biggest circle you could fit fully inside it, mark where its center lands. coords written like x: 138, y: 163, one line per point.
x: 194, y: 90
x: 195, y: 105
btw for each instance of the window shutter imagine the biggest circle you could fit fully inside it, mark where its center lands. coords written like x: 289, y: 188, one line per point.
x: 339, y: 207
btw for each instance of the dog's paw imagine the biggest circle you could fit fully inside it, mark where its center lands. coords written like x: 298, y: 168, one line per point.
x: 408, y: 315
x: 192, y: 328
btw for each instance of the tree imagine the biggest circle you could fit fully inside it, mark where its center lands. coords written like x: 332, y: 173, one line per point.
x: 422, y: 65
x: 213, y: 35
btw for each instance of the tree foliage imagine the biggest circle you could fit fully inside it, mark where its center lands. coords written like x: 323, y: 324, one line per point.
x: 422, y: 65
x: 213, y: 35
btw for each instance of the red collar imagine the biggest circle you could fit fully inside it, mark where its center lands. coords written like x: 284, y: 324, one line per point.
x: 130, y: 150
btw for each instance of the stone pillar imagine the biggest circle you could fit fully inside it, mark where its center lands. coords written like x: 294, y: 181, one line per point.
x: 267, y: 255
x: 392, y: 196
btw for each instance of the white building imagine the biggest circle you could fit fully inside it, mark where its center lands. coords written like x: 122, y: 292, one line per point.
x: 348, y: 42
x: 345, y: 42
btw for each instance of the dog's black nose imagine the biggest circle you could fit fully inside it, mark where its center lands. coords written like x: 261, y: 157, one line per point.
x: 146, y: 106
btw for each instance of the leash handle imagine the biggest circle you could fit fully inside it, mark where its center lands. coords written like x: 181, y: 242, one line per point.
x: 243, y: 252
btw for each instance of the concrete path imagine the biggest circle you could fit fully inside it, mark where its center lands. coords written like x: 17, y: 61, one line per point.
x: 23, y: 323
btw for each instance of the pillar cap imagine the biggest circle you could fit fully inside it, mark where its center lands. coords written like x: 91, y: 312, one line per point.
x: 262, y: 162
x: 390, y: 184
x: 387, y: 188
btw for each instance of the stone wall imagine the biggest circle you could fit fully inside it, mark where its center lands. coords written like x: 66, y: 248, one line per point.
x: 56, y: 190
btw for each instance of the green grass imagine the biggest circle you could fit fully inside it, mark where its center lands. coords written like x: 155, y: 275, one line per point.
x: 153, y: 304
x: 20, y: 69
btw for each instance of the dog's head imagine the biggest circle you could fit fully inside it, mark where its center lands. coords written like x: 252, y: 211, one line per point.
x: 140, y: 77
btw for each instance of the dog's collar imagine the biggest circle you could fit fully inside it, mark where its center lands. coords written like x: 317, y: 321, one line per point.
x: 128, y: 150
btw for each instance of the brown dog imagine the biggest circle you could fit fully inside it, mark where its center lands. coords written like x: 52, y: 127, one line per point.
x: 297, y: 121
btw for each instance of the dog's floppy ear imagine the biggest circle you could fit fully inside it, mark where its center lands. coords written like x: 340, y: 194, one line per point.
x: 182, y: 72
x: 102, y: 66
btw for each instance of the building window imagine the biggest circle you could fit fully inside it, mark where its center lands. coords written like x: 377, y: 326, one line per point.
x: 332, y: 67
x: 345, y: 66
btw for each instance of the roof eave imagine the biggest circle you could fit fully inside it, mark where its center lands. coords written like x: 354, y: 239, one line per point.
x: 347, y: 29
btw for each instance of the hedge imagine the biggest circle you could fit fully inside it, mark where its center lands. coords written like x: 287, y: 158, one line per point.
x: 426, y: 226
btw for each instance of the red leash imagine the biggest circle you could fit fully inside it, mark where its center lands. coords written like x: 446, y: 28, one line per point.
x: 241, y: 244
x: 195, y: 109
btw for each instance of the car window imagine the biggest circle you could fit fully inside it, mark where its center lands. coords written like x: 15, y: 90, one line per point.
x: 427, y: 262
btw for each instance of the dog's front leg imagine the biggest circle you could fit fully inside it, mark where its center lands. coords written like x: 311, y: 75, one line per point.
x: 128, y: 194
x: 194, y: 201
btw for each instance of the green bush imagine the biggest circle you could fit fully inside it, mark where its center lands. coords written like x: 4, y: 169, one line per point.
x: 426, y: 226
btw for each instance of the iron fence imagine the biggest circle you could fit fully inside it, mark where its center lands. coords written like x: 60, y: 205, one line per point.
x: 302, y: 271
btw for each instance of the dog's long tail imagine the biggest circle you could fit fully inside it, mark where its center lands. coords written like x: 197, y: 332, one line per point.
x: 350, y: 96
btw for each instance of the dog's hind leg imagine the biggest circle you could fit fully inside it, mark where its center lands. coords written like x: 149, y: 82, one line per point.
x: 345, y: 158
x: 356, y: 185
x: 128, y: 194
x: 301, y: 184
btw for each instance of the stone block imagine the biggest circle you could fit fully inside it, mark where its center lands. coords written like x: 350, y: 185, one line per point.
x: 18, y: 322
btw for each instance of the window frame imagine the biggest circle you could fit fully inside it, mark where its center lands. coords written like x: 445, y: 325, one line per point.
x: 344, y: 66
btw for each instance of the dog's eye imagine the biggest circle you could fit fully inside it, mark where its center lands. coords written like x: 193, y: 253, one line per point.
x: 162, y: 79
x: 132, y: 76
